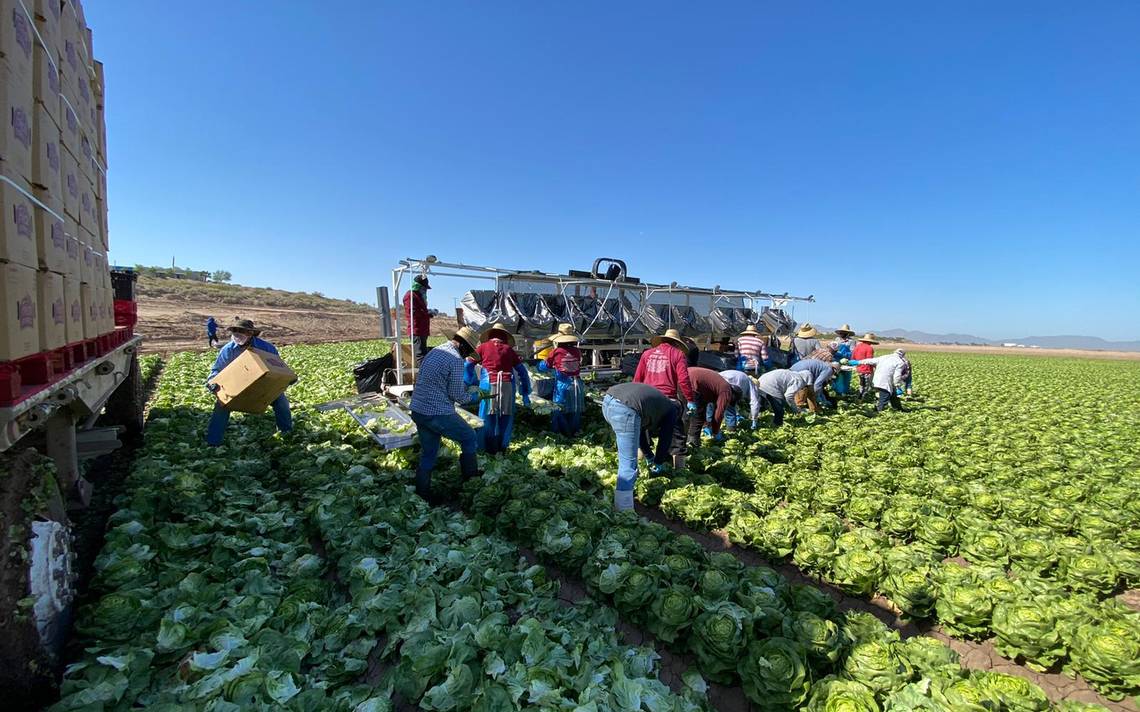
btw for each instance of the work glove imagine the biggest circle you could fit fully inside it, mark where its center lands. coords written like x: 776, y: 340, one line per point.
x: 719, y: 437
x: 690, y: 408
x: 213, y: 387
x: 844, y: 361
x: 707, y: 432
x: 526, y: 400
x: 659, y: 468
x: 754, y: 424
x: 852, y: 362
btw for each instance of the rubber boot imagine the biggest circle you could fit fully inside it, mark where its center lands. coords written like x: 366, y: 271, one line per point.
x: 623, y: 500
x: 423, y: 486
x: 469, y: 466
x: 678, y: 462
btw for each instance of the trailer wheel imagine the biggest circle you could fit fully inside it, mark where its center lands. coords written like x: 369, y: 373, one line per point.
x: 127, y: 405
x: 36, y: 581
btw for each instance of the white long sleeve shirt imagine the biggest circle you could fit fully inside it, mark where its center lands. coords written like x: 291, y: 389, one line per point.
x: 785, y: 384
x: 740, y: 381
x: 888, y: 371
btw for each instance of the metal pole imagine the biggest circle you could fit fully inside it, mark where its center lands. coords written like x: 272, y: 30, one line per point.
x: 59, y: 434
x: 396, y: 327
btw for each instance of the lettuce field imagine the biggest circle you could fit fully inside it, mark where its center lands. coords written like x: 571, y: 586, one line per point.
x: 860, y: 554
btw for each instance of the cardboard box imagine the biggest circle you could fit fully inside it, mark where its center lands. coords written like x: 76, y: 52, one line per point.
x: 252, y: 381
x: 46, y: 84
x: 19, y: 333
x: 69, y: 125
x: 47, y: 172
x: 87, y: 215
x: 17, y: 39
x: 73, y: 310
x: 74, y: 256
x: 86, y: 264
x: 17, y: 227
x: 48, y: 22
x: 51, y: 243
x: 52, y: 310
x: 16, y: 114
x: 102, y: 315
x: 90, y: 310
x: 70, y: 181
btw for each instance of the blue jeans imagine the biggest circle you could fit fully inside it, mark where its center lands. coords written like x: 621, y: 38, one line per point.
x: 776, y: 405
x: 627, y: 428
x: 216, y: 430
x: 567, y: 424
x: 432, y: 428
x: 497, y: 431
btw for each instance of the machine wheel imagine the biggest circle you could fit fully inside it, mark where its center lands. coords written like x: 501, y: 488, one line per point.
x: 36, y: 581
x: 127, y: 405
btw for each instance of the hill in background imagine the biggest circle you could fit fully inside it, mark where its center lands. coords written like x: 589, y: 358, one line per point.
x: 173, y: 313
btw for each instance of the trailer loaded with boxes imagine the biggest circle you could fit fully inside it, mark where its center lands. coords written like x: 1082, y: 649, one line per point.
x: 69, y: 376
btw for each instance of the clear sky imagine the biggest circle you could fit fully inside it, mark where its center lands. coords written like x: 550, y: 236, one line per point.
x: 965, y: 166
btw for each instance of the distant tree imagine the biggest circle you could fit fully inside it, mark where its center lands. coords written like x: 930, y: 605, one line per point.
x: 221, y: 276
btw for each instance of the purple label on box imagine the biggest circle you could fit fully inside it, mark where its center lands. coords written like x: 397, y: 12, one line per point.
x: 22, y: 217
x: 85, y: 202
x: 20, y: 127
x: 53, y: 78
x: 72, y: 185
x: 57, y: 238
x: 72, y: 57
x: 88, y: 256
x: 84, y: 92
x: 76, y: 312
x: 72, y: 120
x: 93, y: 312
x: 57, y: 311
x: 73, y: 250
x: 23, y: 31
x: 26, y: 312
x: 85, y: 146
x: 53, y: 156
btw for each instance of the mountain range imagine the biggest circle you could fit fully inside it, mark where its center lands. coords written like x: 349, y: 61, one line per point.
x: 1066, y: 341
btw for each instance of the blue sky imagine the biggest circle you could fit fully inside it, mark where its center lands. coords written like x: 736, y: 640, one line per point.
x: 969, y: 166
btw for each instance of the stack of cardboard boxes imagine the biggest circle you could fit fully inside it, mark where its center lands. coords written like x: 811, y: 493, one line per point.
x: 53, y: 215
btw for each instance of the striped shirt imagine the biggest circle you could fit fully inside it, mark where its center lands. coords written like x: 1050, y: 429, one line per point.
x: 439, y: 384
x: 753, y: 349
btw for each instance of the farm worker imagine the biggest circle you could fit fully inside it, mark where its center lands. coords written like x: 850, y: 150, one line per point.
x: 844, y: 347
x: 663, y: 366
x: 752, y: 351
x: 864, y: 349
x: 542, y: 349
x: 501, y: 368
x: 908, y: 380
x: 565, y: 360
x: 888, y: 377
x: 744, y: 391
x: 638, y: 413
x: 805, y: 342
x: 211, y: 332
x: 711, y: 390
x: 243, y: 335
x: 821, y: 372
x: 783, y: 387
x: 439, y: 386
x: 419, y: 316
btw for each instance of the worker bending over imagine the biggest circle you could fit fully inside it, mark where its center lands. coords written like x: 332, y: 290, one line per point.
x: 499, y: 370
x: 744, y: 391
x: 819, y: 365
x: 784, y: 388
x: 243, y: 335
x: 663, y: 366
x: 565, y: 361
x: 713, y: 390
x: 439, y: 387
x: 637, y: 412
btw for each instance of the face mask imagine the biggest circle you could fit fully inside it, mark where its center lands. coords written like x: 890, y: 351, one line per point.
x: 241, y: 339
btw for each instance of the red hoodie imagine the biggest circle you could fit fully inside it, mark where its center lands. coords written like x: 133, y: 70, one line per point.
x: 415, y: 307
x: 664, y: 368
x: 499, y: 359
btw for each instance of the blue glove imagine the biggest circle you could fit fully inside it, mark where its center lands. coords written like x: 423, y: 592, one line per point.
x: 659, y: 468
x: 719, y: 437
x: 852, y: 362
x: 898, y: 391
x: 754, y: 424
x: 707, y: 432
x: 543, y: 366
x: 526, y: 400
x: 690, y: 408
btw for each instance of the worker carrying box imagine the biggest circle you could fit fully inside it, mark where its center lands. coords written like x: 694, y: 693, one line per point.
x: 248, y: 376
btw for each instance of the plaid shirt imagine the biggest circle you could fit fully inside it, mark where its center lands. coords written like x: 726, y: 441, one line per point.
x: 823, y: 354
x: 439, y: 384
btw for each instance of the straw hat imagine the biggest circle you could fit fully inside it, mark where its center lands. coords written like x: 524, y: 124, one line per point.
x: 845, y: 329
x: 246, y: 325
x: 868, y: 338
x: 750, y: 330
x: 467, y: 335
x: 806, y: 331
x: 498, y: 331
x: 672, y: 336
x: 564, y: 335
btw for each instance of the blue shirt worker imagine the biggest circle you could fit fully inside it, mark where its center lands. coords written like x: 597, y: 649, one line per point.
x: 243, y: 335
x: 211, y: 332
x: 500, y: 372
x: 844, y: 347
x: 637, y: 412
x: 439, y: 387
